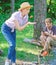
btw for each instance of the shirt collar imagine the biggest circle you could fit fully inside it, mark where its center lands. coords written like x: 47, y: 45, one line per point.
x: 21, y: 15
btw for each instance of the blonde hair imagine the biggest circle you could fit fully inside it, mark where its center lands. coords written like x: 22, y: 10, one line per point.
x: 48, y: 20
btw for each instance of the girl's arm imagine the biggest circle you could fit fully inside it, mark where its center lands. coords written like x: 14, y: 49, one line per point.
x: 18, y: 27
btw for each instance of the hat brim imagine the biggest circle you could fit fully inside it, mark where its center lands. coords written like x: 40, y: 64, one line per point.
x: 26, y: 7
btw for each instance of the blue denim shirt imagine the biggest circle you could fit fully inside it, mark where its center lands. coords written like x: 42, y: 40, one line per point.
x: 53, y: 29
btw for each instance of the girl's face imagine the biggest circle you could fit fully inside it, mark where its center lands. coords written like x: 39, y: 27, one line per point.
x: 26, y: 11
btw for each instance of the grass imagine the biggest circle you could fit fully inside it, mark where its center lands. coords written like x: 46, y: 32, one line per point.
x: 24, y: 51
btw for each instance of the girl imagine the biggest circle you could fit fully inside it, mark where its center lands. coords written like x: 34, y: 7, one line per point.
x: 18, y: 20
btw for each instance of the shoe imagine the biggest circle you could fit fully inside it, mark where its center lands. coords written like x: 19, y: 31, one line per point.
x: 6, y: 63
x: 13, y: 63
x: 44, y: 53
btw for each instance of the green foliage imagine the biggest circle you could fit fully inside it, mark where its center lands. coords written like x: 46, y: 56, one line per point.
x: 3, y: 17
x: 54, y: 22
x: 51, y: 8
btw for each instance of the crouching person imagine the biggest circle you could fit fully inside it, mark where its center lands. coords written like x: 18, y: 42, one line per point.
x: 48, y: 36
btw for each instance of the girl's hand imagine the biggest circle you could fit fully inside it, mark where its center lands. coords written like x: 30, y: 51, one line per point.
x: 31, y: 22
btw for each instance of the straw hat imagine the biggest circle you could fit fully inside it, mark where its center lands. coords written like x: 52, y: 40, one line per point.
x: 25, y: 5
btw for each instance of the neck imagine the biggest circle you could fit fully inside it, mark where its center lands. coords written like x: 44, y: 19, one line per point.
x: 22, y: 14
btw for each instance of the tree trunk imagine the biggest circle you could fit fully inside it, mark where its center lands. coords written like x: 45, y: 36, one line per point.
x: 39, y: 17
x: 12, y: 5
